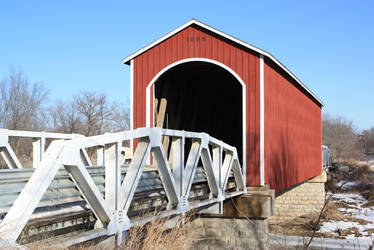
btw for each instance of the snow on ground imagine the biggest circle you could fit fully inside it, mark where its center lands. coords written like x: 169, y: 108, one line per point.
x: 347, y: 185
x: 356, y: 201
x: 355, y: 210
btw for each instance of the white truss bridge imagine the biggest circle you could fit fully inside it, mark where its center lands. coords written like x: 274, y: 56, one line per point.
x: 195, y: 171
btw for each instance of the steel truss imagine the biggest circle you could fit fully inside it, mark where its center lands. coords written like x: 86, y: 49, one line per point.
x: 218, y: 161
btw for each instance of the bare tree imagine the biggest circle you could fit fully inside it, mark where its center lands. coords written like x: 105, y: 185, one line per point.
x: 22, y: 108
x: 89, y: 113
x: 340, y: 135
x: 94, y: 111
x: 21, y: 104
x: 66, y: 118
x: 121, y: 117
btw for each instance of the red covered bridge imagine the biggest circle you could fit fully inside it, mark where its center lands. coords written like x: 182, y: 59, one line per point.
x: 204, y: 80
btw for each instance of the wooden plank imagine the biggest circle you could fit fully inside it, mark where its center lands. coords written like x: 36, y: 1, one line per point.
x: 161, y: 113
x: 165, y: 144
x: 160, y: 118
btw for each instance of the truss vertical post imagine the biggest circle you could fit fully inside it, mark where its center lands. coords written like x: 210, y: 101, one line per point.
x: 36, y: 152
x: 38, y: 148
x: 178, y: 163
x: 42, y: 145
x: 217, y: 169
x: 217, y: 163
x: 112, y: 164
x: 100, y: 156
x: 111, y: 175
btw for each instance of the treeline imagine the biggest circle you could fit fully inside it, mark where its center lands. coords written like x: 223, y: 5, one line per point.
x: 345, y: 140
x: 26, y: 106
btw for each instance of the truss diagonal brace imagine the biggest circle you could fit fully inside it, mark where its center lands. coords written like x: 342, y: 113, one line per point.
x: 134, y: 173
x: 238, y: 175
x: 208, y: 167
x: 191, y: 165
x: 10, y: 157
x: 90, y: 191
x: 26, y: 202
x: 166, y: 175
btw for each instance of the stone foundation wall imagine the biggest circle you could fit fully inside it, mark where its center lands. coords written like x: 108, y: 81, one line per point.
x: 229, y: 233
x: 299, y: 200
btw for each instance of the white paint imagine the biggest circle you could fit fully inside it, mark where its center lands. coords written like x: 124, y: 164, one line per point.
x: 131, y: 102
x: 37, y: 134
x: 234, y: 39
x: 262, y: 122
x: 153, y: 109
x: 147, y: 107
x: 244, y: 127
x: 38, y: 145
x: 199, y: 59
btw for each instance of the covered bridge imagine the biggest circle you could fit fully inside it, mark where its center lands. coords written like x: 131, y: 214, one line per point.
x: 205, y: 80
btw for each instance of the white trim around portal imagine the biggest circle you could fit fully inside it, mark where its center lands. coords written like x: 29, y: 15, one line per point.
x: 227, y: 36
x: 262, y: 122
x: 199, y: 59
x: 132, y: 101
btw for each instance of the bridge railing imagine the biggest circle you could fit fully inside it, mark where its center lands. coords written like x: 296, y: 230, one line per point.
x: 39, y: 145
x: 326, y: 157
x: 219, y: 161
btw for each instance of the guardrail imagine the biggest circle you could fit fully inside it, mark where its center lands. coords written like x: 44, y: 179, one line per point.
x: 63, y: 190
x: 111, y: 203
x: 62, y: 208
x: 326, y: 157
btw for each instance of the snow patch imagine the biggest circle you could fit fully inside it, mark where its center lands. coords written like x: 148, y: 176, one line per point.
x: 347, y: 185
x: 355, y: 201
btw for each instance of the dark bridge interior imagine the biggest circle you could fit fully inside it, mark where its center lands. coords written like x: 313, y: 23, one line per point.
x: 202, y: 97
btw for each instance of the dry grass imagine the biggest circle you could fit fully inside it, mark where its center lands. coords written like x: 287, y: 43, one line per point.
x: 359, y: 173
x: 153, y: 235
x: 300, y: 226
x: 157, y: 235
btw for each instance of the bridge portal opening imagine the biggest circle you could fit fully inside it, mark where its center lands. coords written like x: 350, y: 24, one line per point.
x: 201, y: 97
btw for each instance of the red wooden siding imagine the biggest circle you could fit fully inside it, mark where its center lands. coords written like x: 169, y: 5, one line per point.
x: 292, y: 131
x: 196, y: 42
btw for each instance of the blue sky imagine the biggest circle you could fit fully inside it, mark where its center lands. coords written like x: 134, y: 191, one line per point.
x: 76, y: 45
